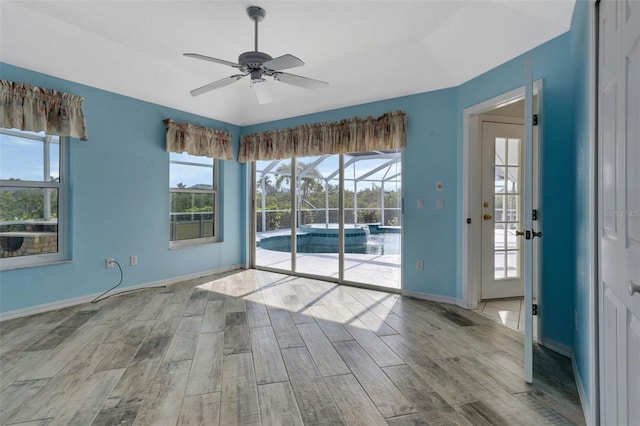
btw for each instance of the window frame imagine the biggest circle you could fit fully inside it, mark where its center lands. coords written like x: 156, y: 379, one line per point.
x: 177, y: 244
x: 62, y: 186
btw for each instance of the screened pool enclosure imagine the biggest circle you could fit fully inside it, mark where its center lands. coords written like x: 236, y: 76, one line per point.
x: 334, y: 216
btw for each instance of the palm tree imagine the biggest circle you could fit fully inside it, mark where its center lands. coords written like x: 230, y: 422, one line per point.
x: 311, y: 181
x: 305, y: 185
x: 265, y: 182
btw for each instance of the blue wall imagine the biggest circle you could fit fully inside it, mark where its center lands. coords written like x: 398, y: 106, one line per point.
x: 580, y: 34
x: 429, y: 156
x: 124, y: 164
x: 552, y: 64
x: 435, y: 144
x: 119, y: 197
x: 120, y: 201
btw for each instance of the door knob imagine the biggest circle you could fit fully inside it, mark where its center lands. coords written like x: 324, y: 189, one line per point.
x: 487, y: 217
x: 633, y: 288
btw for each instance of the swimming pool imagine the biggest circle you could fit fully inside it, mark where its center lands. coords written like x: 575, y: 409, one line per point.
x: 388, y: 243
x: 322, y: 239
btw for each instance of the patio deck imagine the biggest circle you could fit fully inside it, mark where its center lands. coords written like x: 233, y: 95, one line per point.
x: 379, y: 270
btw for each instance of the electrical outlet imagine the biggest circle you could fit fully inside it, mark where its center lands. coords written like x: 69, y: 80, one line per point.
x: 134, y: 260
x: 420, y: 265
x: 420, y: 203
x: 109, y: 263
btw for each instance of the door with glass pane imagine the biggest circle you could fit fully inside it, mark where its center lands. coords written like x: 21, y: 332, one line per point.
x: 273, y: 217
x: 317, y: 214
x: 373, y: 208
x: 502, y: 198
x: 303, y: 227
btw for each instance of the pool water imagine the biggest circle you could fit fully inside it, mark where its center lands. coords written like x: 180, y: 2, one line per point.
x: 383, y: 244
x: 376, y: 244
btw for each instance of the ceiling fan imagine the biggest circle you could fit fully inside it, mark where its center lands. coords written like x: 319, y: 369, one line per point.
x: 258, y: 65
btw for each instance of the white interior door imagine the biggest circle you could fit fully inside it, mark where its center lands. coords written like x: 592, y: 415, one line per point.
x: 528, y: 232
x: 502, y: 207
x: 619, y: 210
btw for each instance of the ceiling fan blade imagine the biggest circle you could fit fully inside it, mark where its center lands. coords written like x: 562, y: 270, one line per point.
x: 210, y: 59
x: 216, y: 84
x: 304, y: 82
x: 283, y: 62
x: 262, y: 91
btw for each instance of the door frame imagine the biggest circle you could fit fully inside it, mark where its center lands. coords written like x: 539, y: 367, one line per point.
x: 471, y: 175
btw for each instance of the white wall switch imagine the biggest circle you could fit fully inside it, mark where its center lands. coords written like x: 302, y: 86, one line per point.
x: 420, y: 265
x: 439, y: 204
x: 420, y: 203
x: 134, y: 260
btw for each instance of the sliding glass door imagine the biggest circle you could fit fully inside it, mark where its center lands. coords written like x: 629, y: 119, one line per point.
x: 373, y: 204
x: 317, y: 210
x: 337, y: 217
x: 273, y: 217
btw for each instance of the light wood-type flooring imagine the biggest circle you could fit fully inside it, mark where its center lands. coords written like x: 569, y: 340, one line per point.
x: 252, y: 347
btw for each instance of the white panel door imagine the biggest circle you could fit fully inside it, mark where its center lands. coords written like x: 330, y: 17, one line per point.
x: 619, y: 210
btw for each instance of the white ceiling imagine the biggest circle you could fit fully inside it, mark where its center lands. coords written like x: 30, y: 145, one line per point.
x: 366, y: 50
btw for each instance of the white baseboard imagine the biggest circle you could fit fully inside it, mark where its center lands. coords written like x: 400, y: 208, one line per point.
x: 567, y: 351
x: 433, y: 297
x: 584, y: 402
x: 561, y: 348
x: 32, y: 310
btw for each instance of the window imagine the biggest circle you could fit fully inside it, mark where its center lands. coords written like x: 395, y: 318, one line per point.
x: 32, y: 199
x: 193, y: 199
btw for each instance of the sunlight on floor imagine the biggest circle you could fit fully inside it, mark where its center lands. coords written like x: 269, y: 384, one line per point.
x: 508, y: 312
x: 313, y: 304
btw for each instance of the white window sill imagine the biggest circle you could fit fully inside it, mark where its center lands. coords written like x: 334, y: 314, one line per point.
x: 34, y: 265
x: 177, y: 245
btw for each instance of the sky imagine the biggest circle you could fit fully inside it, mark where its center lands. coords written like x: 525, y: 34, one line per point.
x: 22, y: 158
x: 188, y: 174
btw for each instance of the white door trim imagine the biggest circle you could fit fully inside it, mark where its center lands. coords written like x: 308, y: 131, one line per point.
x: 471, y: 174
x: 592, y: 414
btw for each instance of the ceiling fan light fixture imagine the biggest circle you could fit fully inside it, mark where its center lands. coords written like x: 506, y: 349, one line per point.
x: 262, y: 91
x: 256, y: 75
x: 258, y: 64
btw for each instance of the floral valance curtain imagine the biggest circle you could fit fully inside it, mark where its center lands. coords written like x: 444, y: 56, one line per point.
x: 198, y: 140
x: 388, y: 131
x: 36, y: 109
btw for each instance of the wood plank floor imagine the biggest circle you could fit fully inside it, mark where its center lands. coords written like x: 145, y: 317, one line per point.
x: 253, y: 347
